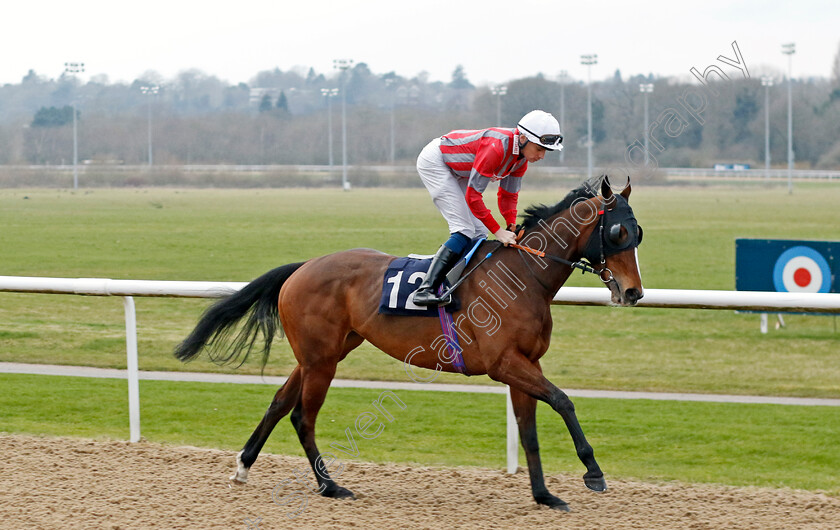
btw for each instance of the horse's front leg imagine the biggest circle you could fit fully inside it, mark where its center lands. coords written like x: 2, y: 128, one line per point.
x: 594, y: 477
x: 519, y: 373
x: 524, y: 406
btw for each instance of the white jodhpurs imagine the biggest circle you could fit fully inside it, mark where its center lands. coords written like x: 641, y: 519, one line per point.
x: 448, y: 192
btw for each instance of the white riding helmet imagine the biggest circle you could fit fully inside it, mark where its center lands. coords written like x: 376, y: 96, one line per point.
x: 541, y: 128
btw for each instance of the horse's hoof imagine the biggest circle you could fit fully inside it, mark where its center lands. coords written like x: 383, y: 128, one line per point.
x: 339, y: 493
x: 241, y: 475
x: 555, y: 503
x: 595, y: 483
x: 236, y: 482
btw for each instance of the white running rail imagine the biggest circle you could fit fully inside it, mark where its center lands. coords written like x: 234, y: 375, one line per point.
x: 672, y: 298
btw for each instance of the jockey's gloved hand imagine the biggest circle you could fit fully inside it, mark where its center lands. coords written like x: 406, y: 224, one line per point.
x: 505, y: 236
x: 517, y: 230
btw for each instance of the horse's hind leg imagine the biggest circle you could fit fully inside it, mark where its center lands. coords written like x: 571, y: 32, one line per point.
x: 316, y: 382
x: 284, y: 400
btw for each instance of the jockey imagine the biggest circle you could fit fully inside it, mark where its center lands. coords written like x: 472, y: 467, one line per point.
x: 456, y: 169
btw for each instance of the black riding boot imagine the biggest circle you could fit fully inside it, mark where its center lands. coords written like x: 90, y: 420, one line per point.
x: 442, y: 263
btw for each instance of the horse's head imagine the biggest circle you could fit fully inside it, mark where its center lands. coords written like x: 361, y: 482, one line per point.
x: 612, y: 246
x: 604, y: 231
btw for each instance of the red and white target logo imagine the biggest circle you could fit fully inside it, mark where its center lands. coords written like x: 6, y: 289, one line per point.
x: 802, y: 270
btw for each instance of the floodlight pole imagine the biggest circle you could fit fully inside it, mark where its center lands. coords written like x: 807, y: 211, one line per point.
x: 389, y: 83
x: 789, y: 50
x: 75, y: 68
x: 343, y: 65
x: 75, y: 150
x: 393, y: 130
x: 767, y: 82
x: 588, y: 61
x: 646, y: 88
x: 330, y: 93
x: 150, y: 91
x: 499, y: 91
x: 564, y: 76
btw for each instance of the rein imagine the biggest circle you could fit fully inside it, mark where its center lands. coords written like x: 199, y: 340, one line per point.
x: 465, y: 275
x: 583, y: 266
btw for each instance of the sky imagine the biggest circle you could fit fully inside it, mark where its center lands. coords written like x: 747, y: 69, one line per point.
x: 495, y: 41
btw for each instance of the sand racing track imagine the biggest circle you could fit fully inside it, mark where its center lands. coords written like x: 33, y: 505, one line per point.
x: 59, y: 483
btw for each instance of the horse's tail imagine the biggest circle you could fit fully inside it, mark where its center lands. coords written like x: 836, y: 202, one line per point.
x: 215, y: 330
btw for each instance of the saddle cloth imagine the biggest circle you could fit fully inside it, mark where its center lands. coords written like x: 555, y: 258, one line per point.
x: 404, y: 276
x: 402, y: 279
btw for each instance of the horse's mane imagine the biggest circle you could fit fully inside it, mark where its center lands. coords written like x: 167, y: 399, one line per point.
x: 540, y: 212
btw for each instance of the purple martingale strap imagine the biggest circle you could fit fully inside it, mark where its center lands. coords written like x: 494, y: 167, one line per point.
x: 451, y: 337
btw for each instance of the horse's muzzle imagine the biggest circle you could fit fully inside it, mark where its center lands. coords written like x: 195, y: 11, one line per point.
x: 632, y: 295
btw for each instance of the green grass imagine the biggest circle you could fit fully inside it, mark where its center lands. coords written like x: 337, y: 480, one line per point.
x: 735, y: 444
x: 236, y: 235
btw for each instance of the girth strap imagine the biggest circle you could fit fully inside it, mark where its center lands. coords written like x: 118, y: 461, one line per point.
x: 453, y: 347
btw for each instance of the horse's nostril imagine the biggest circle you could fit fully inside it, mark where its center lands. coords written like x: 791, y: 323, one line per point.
x: 633, y: 295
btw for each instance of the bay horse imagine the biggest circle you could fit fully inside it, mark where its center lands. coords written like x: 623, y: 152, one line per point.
x: 327, y: 306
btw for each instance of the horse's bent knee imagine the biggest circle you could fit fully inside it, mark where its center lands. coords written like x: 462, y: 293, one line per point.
x: 561, y: 403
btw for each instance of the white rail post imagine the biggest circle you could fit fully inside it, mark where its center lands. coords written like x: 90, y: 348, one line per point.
x: 512, y: 436
x: 132, y: 366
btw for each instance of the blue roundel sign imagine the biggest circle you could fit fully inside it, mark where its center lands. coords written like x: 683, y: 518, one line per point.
x: 787, y: 265
x: 801, y: 269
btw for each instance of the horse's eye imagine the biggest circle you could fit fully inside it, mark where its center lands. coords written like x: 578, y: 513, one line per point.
x: 615, y: 234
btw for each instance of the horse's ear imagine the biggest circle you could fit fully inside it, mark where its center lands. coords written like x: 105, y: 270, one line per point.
x: 626, y: 191
x: 606, y: 189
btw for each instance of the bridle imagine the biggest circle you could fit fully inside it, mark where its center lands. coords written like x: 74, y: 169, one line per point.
x: 586, y: 264
x: 583, y: 266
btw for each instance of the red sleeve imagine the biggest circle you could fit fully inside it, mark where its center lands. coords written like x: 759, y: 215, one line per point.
x: 507, y: 205
x: 478, y: 209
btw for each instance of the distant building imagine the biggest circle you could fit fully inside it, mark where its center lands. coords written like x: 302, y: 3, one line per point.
x: 731, y: 167
x: 256, y: 95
